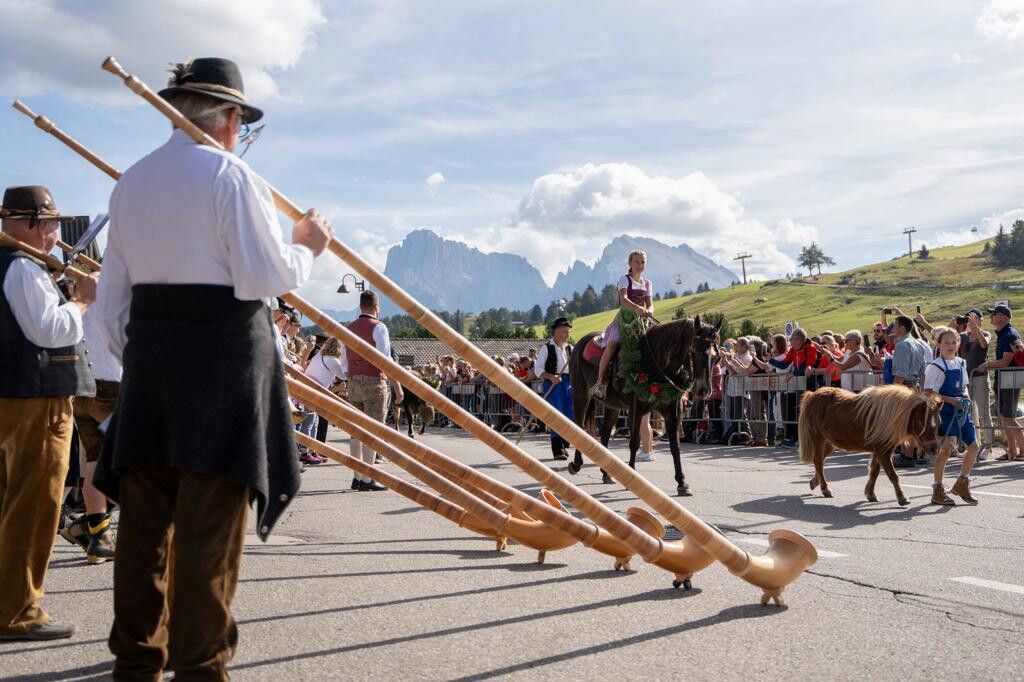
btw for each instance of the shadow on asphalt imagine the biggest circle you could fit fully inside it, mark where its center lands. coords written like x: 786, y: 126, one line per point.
x: 650, y: 596
x: 97, y: 671
x: 837, y: 517
x: 593, y: 575
x: 725, y: 616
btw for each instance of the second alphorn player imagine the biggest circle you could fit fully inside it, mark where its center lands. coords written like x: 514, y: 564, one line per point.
x: 201, y: 429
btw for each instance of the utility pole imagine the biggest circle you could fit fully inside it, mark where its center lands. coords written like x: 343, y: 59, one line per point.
x: 910, y: 247
x: 742, y: 258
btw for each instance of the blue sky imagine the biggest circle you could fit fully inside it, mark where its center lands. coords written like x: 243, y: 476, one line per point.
x: 545, y: 129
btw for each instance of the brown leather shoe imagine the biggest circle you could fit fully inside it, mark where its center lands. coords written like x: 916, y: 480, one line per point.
x: 939, y: 496
x: 962, y: 489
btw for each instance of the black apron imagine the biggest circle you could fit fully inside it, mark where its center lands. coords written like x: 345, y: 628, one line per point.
x: 203, y: 389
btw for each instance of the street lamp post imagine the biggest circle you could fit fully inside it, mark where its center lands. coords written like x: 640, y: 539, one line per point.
x: 360, y: 285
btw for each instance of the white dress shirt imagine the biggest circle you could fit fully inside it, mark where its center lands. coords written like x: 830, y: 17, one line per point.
x: 191, y: 214
x: 561, y: 360
x: 381, y: 340
x: 105, y: 367
x: 35, y: 303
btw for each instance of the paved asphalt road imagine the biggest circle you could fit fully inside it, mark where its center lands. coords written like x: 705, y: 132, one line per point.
x: 365, y: 586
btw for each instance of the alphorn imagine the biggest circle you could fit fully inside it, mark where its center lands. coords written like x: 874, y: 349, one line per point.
x: 420, y: 496
x: 40, y: 255
x: 81, y: 257
x: 528, y: 532
x: 682, y: 558
x: 46, y: 125
x: 789, y: 553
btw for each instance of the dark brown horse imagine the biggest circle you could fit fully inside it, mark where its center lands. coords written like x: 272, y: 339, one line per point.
x: 670, y: 353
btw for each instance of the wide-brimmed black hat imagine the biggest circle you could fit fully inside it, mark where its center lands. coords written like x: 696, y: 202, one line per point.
x: 561, y: 322
x: 32, y: 202
x: 213, y: 77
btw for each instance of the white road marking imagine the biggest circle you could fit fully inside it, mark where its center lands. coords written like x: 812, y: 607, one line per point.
x: 761, y: 542
x: 990, y: 584
x: 973, y: 492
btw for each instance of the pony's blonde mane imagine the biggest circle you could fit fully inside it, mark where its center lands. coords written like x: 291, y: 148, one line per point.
x: 885, y: 412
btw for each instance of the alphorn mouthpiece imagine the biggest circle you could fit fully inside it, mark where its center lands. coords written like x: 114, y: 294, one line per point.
x: 23, y: 108
x: 41, y: 121
x: 110, y: 64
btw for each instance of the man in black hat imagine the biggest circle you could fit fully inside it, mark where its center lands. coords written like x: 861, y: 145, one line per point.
x: 1006, y: 398
x: 43, y: 366
x: 553, y: 367
x: 194, y: 248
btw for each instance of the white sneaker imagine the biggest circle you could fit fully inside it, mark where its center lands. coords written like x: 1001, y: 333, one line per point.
x: 644, y: 456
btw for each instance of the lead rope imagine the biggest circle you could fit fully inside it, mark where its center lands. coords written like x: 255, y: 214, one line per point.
x: 960, y: 414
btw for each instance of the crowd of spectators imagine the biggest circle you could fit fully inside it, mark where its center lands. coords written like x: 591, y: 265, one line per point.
x: 740, y: 410
x: 757, y: 383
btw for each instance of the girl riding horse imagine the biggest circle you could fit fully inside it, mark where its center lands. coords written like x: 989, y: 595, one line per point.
x: 635, y: 294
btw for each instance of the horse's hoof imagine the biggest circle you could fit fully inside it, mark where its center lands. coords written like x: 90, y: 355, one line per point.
x: 814, y: 483
x: 903, y: 502
x: 872, y: 498
x: 683, y: 490
x: 825, y: 492
x: 607, y: 480
x: 574, y: 468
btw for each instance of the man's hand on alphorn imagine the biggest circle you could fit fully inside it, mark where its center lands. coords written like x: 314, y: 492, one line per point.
x: 312, y: 231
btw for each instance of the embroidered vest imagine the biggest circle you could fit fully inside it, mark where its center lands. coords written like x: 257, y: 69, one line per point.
x: 363, y: 327
x: 551, y: 361
x: 30, y: 371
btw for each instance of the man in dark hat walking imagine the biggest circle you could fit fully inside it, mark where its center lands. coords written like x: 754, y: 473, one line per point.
x: 553, y: 367
x: 43, y: 366
x: 195, y: 248
x: 1007, y: 396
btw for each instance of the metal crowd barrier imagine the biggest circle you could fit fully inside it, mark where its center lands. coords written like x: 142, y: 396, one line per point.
x: 763, y: 395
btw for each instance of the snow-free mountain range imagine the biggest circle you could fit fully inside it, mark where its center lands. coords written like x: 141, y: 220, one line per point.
x: 449, y: 275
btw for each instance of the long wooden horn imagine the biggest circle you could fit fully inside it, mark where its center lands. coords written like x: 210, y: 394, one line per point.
x: 420, y: 496
x: 40, y: 255
x: 683, y: 559
x: 46, y: 125
x: 528, y: 532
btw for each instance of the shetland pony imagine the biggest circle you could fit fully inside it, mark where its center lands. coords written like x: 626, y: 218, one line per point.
x: 876, y: 420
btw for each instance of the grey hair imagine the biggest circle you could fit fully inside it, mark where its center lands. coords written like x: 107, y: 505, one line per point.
x: 206, y: 112
x: 854, y: 335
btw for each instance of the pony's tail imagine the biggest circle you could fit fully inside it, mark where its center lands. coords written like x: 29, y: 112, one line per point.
x: 805, y: 433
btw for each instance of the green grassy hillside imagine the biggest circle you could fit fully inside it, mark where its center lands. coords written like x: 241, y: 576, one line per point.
x: 950, y: 282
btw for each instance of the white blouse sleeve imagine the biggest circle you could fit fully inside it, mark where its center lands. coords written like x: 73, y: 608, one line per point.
x: 623, y: 283
x: 262, y: 264
x: 933, y: 377
x: 35, y: 303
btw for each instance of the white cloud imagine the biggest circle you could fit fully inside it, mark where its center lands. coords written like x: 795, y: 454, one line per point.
x: 965, y: 58
x: 792, y: 233
x: 49, y: 46
x: 434, y: 180
x: 1002, y: 20
x: 575, y: 214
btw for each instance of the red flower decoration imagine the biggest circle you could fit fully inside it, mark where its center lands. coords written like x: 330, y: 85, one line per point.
x: 655, y: 389
x: 641, y: 377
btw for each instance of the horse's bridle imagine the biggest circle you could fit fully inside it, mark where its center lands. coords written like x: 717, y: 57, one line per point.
x: 687, y: 364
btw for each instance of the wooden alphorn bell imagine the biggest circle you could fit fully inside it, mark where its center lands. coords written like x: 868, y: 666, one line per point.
x: 681, y: 557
